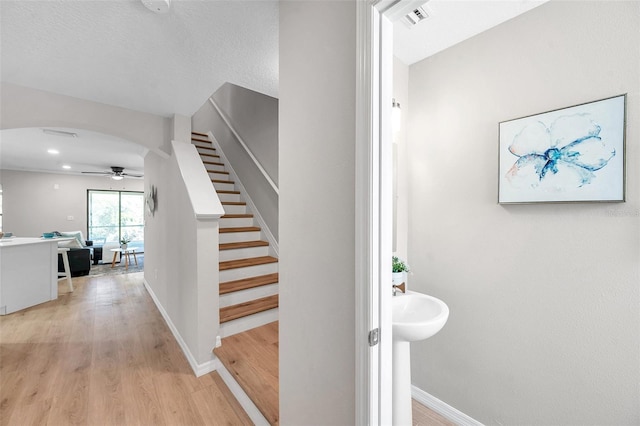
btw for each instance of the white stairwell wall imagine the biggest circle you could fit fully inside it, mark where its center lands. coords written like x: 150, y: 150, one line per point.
x: 182, y: 236
x: 254, y: 117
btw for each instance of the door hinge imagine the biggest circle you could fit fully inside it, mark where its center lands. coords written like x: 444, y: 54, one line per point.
x: 374, y: 337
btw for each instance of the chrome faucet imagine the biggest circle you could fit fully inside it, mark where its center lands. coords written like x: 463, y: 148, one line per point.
x: 400, y: 287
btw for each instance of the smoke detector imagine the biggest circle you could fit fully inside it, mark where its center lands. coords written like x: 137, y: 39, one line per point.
x: 157, y: 6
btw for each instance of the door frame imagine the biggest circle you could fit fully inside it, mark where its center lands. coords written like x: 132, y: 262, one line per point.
x: 373, y: 212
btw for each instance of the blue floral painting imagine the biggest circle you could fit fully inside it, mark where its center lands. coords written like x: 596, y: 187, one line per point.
x: 568, y: 155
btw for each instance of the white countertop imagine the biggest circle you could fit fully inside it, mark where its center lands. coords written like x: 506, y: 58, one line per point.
x: 19, y: 241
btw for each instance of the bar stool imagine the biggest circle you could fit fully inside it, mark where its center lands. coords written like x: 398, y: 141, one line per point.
x: 67, y: 270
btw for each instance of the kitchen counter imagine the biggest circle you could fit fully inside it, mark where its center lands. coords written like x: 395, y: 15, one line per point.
x: 28, y: 272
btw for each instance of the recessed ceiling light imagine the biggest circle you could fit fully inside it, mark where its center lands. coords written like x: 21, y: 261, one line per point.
x: 53, y: 151
x: 66, y: 166
x: 157, y: 6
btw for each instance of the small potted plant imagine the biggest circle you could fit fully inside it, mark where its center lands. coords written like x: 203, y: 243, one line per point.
x: 399, y: 271
x: 123, y: 242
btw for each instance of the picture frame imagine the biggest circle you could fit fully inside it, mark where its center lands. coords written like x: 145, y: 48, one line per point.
x: 572, y: 154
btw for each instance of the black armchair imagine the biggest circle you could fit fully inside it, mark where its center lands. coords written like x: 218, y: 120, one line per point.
x: 79, y: 261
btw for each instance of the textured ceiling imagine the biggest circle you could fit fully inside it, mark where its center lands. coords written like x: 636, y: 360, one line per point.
x: 119, y: 53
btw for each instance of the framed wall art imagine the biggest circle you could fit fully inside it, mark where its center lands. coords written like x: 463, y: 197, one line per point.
x: 573, y: 154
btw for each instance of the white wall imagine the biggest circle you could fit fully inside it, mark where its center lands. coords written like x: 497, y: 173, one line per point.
x: 26, y: 107
x: 544, y: 299
x: 34, y: 203
x: 255, y: 117
x: 317, y: 212
x: 181, y: 262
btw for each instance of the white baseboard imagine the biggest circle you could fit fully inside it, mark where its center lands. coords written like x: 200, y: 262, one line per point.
x: 198, y: 369
x: 442, y: 408
x: 245, y: 402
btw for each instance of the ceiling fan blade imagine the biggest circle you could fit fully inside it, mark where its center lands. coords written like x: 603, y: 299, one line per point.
x: 129, y: 174
x: 98, y: 173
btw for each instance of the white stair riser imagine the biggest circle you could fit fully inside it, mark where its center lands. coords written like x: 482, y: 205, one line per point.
x: 235, y: 222
x: 243, y: 253
x: 234, y: 237
x: 219, y: 175
x: 213, y: 167
x: 243, y: 296
x: 224, y: 186
x: 232, y: 209
x: 206, y: 150
x: 246, y: 323
x: 202, y: 144
x: 210, y: 158
x: 229, y: 197
x: 247, y: 272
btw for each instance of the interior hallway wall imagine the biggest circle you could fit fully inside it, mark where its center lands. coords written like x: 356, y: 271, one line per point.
x: 26, y: 107
x: 35, y: 202
x: 317, y: 212
x: 544, y: 298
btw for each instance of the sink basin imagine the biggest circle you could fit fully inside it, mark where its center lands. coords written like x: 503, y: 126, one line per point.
x: 416, y: 316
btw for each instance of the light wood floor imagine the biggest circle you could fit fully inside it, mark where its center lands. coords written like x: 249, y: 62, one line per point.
x: 103, y: 355
x: 252, y: 359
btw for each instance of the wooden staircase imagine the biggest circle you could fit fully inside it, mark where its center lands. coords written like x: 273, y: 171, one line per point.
x: 248, y: 270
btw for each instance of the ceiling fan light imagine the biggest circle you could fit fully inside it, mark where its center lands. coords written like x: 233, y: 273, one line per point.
x: 117, y: 177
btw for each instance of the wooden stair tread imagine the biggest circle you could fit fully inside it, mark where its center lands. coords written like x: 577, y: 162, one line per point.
x: 240, y: 310
x: 222, y: 181
x: 239, y: 229
x: 221, y: 191
x: 237, y: 216
x: 200, y: 134
x: 243, y: 244
x: 209, y: 155
x: 206, y: 147
x: 247, y: 283
x: 251, y: 357
x: 213, y: 163
x: 200, y: 140
x: 218, y: 172
x: 233, y: 203
x: 249, y: 261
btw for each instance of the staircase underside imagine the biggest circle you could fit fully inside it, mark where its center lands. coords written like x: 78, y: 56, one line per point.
x: 251, y: 357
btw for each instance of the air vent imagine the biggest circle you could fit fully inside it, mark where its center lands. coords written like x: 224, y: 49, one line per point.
x: 416, y: 16
x: 59, y: 133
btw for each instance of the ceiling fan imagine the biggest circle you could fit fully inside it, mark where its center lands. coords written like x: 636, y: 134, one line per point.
x: 116, y: 173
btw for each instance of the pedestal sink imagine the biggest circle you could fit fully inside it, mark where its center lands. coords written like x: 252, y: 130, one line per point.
x: 415, y: 317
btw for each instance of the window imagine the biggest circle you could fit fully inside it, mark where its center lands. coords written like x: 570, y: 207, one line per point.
x: 112, y: 215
